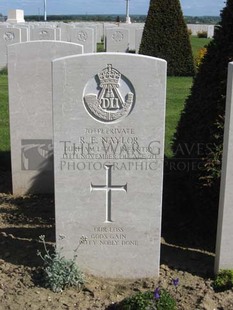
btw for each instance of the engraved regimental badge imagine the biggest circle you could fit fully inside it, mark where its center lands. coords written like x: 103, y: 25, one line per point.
x: 109, y: 96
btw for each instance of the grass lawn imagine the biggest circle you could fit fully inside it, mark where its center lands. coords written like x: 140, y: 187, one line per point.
x: 178, y: 89
x: 198, y: 43
x: 4, y: 115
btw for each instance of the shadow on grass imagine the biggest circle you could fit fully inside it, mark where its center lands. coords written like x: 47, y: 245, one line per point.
x: 184, y: 222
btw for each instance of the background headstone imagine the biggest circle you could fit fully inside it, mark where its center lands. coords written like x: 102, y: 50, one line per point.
x: 109, y: 148
x: 85, y: 37
x: 117, y: 40
x: 195, y: 28
x: 24, y: 32
x: 30, y: 103
x: 7, y: 36
x: 42, y: 34
x: 138, y: 38
x: 224, y: 244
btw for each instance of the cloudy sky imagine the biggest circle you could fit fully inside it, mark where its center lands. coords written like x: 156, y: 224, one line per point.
x: 33, y: 7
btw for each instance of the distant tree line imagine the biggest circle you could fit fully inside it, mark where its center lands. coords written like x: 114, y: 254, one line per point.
x: 210, y: 20
x: 68, y: 18
x: 2, y: 18
x: 111, y: 18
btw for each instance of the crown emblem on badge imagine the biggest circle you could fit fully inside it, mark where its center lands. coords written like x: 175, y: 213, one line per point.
x: 109, y: 75
x: 115, y: 97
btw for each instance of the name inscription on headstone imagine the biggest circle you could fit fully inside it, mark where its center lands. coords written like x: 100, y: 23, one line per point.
x: 126, y: 145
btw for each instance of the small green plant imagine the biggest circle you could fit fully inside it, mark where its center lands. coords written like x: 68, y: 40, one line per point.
x: 59, y: 272
x: 224, y: 280
x: 138, y: 301
x: 164, y: 301
x: 160, y: 299
x: 202, y: 34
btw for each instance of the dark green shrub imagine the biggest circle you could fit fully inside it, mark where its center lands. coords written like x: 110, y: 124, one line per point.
x: 166, y: 36
x: 4, y: 71
x: 199, y: 136
x: 202, y: 34
x: 224, y: 280
x: 190, y: 32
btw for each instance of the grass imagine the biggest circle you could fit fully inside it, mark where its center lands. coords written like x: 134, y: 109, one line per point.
x: 100, y: 47
x: 4, y: 114
x: 198, y: 43
x: 177, y: 91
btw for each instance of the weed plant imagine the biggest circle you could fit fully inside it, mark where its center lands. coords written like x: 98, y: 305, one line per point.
x: 224, y: 280
x: 160, y: 299
x: 59, y: 272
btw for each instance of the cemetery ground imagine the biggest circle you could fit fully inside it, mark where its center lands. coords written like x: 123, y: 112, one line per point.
x: 187, y: 247
x: 24, y: 219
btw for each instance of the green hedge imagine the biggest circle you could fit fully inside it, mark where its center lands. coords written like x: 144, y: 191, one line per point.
x: 199, y: 136
x: 166, y: 36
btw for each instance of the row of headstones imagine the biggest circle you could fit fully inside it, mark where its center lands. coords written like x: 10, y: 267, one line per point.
x: 105, y: 129
x: 117, y: 39
x: 199, y: 28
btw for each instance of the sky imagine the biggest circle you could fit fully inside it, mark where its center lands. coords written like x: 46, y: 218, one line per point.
x: 63, y: 7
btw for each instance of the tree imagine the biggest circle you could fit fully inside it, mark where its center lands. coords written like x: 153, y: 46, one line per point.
x: 166, y: 36
x: 199, y: 136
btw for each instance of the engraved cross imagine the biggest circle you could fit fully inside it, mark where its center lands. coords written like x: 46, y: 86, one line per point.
x: 108, y: 187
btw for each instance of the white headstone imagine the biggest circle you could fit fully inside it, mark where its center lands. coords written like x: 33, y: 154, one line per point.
x: 7, y: 36
x: 100, y: 32
x: 58, y: 34
x: 94, y: 27
x: 195, y: 28
x: 24, y: 32
x: 30, y: 103
x: 224, y: 244
x: 109, y: 147
x: 84, y: 36
x: 117, y: 40
x: 65, y: 31
x: 42, y: 34
x: 210, y: 31
x: 132, y: 34
x: 138, y: 38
